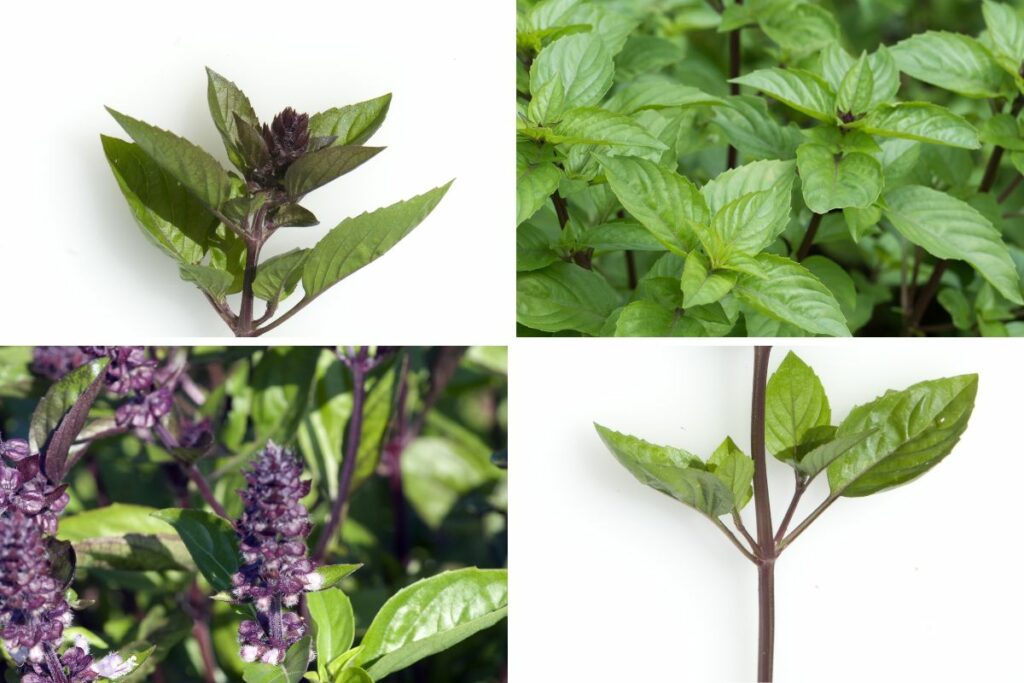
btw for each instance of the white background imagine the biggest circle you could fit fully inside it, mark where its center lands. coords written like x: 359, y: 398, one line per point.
x: 613, y: 581
x: 75, y: 266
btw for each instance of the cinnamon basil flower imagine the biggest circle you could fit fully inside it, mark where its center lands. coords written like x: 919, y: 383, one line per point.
x: 287, y: 138
x: 275, y: 571
x: 143, y: 411
x: 130, y: 369
x: 33, y: 610
x: 25, y: 490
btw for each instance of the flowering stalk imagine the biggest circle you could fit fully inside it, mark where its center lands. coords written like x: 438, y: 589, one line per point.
x: 275, y: 571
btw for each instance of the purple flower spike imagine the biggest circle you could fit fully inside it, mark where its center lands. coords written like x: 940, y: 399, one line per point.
x: 25, y: 489
x: 144, y: 411
x: 275, y: 570
x: 33, y: 611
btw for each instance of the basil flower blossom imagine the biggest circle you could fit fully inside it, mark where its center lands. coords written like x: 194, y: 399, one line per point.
x: 275, y: 571
x: 24, y: 488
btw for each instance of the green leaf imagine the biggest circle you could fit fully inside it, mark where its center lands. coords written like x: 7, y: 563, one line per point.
x: 380, y: 398
x: 353, y: 674
x: 922, y: 121
x: 835, y: 277
x: 914, y: 429
x: 124, y: 537
x: 282, y: 379
x: 215, y: 282
x: 799, y: 29
x: 437, y: 472
x: 795, y: 403
x: 294, y: 216
x: 353, y: 124
x: 817, y: 459
x: 277, y: 277
x: 857, y: 87
x: 192, y: 166
x: 751, y: 222
x: 885, y: 77
x: 291, y: 670
x: 664, y: 202
x: 1006, y: 34
x: 618, y: 235
x: 837, y: 181
x: 564, y: 296
x: 753, y: 177
x: 169, y: 216
x: 432, y: 615
x: 356, y: 242
x: 227, y: 101
x: 671, y: 471
x: 209, y: 539
x: 951, y: 61
x: 949, y: 228
x: 534, y: 186
x: 334, y: 574
x: 335, y: 627
x: 749, y: 127
x: 1002, y: 130
x: 318, y: 168
x: 647, y: 318
x: 801, y: 90
x: 537, y: 246
x: 581, y: 65
x: 657, y: 92
x: 595, y: 126
x: 703, y: 286
x: 792, y: 294
x: 736, y: 470
x: 61, y: 413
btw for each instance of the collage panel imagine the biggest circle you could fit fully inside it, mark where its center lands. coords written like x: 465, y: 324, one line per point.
x: 266, y: 514
x: 771, y: 168
x: 885, y: 474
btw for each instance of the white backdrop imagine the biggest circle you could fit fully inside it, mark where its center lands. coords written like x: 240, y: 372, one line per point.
x: 615, y: 582
x: 68, y: 242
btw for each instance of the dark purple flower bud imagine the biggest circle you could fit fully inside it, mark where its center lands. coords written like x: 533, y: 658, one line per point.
x: 33, y: 611
x: 14, y: 450
x: 144, y: 411
x: 272, y: 538
x: 53, y: 362
x: 25, y: 489
x: 130, y: 370
x: 287, y: 137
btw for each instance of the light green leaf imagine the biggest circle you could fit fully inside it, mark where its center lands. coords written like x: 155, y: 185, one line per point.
x: 618, y: 235
x: 753, y: 177
x: 949, y: 228
x: 209, y: 539
x: 124, y: 537
x: 192, y: 166
x: 356, y: 242
x: 282, y: 379
x: 751, y: 222
x: 432, y: 615
x: 914, y: 429
x: 619, y: 134
x: 1006, y: 34
x: 671, y: 471
x: 835, y: 277
x: 922, y: 121
x: 885, y: 77
x: 318, y: 168
x: 291, y: 670
x: 537, y: 246
x: 851, y: 180
x: 801, y: 90
x: 334, y: 626
x: 380, y: 399
x: 438, y: 472
x: 667, y: 204
x: 858, y: 86
x: 749, y: 127
x: 169, y: 215
x: 564, y: 296
x: 277, y: 277
x: 580, y: 64
x: 816, y: 460
x: 647, y: 318
x: 214, y: 281
x: 795, y: 403
x: 334, y: 574
x: 799, y: 29
x: 792, y: 294
x: 703, y: 286
x: 736, y: 470
x: 657, y: 92
x: 534, y: 186
x: 226, y: 101
x: 353, y: 124
x: 1002, y: 130
x: 951, y: 61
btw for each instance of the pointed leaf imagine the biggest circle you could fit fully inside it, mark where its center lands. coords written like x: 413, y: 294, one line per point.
x: 191, y: 165
x: 951, y: 61
x: 1006, y: 31
x: 534, y: 185
x: 432, y: 615
x: 580, y: 64
x: 836, y: 181
x: 358, y: 241
x: 169, y: 215
x: 353, y: 124
x: 214, y: 281
x: 816, y: 460
x: 227, y: 101
x: 736, y: 470
x: 334, y: 625
x: 914, y: 429
x: 564, y: 296
x: 318, y: 168
x: 124, y: 537
x: 294, y: 216
x: 750, y: 223
x: 210, y: 540
x: 749, y: 127
x: 753, y: 177
x: 801, y: 90
x: 703, y: 286
x: 792, y: 294
x: 949, y: 228
x: 922, y: 121
x: 795, y: 403
x: 277, y: 277
x: 672, y: 471
x: 857, y: 88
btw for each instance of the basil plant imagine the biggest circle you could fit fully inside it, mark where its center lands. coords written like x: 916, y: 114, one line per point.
x: 728, y: 168
x: 215, y: 223
x: 879, y: 445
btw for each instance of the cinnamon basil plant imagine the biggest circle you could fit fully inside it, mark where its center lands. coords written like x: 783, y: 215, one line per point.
x: 879, y: 445
x: 215, y: 222
x: 769, y: 168
x: 261, y: 515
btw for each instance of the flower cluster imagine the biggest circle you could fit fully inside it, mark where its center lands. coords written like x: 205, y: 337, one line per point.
x: 275, y: 571
x: 25, y: 490
x: 131, y: 373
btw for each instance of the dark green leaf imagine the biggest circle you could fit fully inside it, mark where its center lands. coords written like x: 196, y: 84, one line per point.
x: 817, y: 459
x: 209, y: 539
x: 353, y: 124
x: 564, y: 296
x: 277, y: 277
x: 214, y: 281
x: 294, y: 216
x: 227, y: 101
x: 124, y: 537
x: 318, y: 168
x: 291, y: 670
